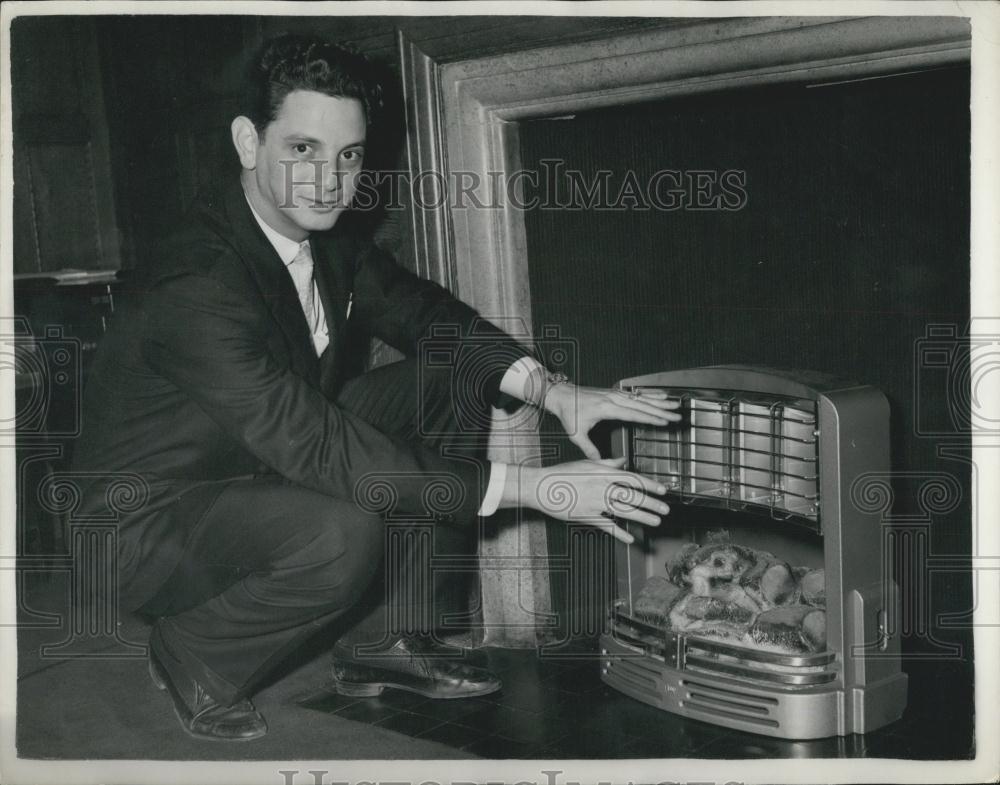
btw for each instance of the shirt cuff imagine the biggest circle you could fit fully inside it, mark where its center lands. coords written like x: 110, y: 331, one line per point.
x: 494, y: 489
x: 515, y: 381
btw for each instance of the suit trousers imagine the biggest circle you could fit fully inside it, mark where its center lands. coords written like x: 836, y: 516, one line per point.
x: 271, y: 563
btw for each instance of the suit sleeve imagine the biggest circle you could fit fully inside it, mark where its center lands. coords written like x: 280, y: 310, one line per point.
x: 212, y: 343
x: 416, y: 316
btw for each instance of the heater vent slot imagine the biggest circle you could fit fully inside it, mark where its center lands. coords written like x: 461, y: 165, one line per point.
x: 729, y: 695
x: 697, y: 708
x: 640, y: 665
x: 638, y: 639
x: 701, y: 698
x: 775, y: 678
x: 633, y: 674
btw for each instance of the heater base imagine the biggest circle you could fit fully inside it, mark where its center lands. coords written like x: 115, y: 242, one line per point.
x: 800, y: 713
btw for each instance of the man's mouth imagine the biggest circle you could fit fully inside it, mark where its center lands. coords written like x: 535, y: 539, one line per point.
x: 310, y: 202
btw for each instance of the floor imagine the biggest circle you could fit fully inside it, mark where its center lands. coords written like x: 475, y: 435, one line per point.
x: 557, y: 707
x: 553, y: 705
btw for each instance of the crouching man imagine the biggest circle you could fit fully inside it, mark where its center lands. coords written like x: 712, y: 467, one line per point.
x: 228, y: 383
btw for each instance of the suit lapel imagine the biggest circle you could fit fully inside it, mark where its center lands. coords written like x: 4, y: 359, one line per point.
x: 274, y: 281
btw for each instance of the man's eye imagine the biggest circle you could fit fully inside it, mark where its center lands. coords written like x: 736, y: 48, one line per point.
x: 301, y: 148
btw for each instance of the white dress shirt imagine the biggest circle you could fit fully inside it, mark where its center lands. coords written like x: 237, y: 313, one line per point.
x: 287, y: 250
x: 513, y: 382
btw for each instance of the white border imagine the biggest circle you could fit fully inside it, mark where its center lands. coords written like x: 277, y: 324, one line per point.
x: 985, y: 227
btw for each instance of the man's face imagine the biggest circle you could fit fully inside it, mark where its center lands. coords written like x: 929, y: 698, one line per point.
x: 307, y: 164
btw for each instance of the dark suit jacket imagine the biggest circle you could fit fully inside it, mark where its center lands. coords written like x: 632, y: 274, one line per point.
x: 208, y: 373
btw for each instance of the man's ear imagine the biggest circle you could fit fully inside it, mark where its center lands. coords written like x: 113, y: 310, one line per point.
x: 245, y: 141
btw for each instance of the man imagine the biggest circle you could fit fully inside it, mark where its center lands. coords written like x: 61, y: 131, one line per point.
x: 229, y: 388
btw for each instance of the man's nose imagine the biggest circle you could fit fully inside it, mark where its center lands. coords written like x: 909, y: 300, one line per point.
x: 332, y: 177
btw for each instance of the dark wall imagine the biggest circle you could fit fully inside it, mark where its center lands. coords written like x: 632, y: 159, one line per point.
x: 172, y: 84
x: 63, y: 191
x: 853, y: 240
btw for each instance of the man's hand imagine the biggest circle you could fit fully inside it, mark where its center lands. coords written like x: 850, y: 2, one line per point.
x: 579, y: 409
x: 589, y: 492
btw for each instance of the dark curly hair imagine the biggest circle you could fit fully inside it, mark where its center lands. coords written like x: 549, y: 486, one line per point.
x: 291, y: 62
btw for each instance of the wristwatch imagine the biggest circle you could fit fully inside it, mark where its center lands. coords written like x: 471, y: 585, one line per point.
x: 552, y: 379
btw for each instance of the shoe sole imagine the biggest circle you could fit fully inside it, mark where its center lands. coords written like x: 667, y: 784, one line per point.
x: 160, y: 682
x: 154, y: 674
x: 374, y: 689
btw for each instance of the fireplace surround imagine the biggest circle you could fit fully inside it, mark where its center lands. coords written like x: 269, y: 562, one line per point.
x: 463, y: 117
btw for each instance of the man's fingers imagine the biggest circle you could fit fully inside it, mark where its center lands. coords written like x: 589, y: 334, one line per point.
x: 623, y: 536
x: 588, y: 447
x: 623, y: 500
x: 628, y: 414
x: 658, y: 399
x: 653, y: 395
x: 619, y: 497
x: 636, y: 407
x: 609, y: 525
x: 632, y: 480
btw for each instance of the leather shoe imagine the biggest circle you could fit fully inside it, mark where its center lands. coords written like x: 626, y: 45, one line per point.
x: 201, y: 715
x: 414, y: 664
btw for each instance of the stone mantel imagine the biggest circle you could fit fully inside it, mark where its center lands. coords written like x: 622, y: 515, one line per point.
x: 463, y: 117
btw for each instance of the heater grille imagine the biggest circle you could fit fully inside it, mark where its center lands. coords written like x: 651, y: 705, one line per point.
x: 735, y: 451
x: 696, y: 654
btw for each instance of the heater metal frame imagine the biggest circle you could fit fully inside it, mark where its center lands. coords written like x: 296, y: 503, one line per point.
x: 855, y: 686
